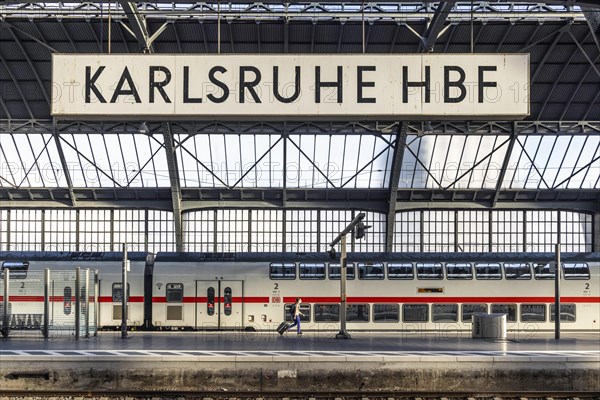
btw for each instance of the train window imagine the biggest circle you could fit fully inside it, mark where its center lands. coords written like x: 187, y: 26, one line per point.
x: 459, y: 271
x: 517, y: 271
x: 227, y: 301
x: 282, y: 271
x: 312, y: 271
x: 415, y: 312
x: 210, y: 301
x: 509, y: 309
x: 174, y: 292
x: 304, y: 309
x: 386, y: 313
x: 533, y: 312
x: 429, y: 271
x: 400, y: 271
x: 357, y: 312
x: 567, y: 312
x: 117, y: 292
x: 543, y: 270
x: 370, y: 271
x: 488, y: 271
x: 444, y: 313
x: 469, y: 309
x: 18, y: 269
x: 334, y: 271
x: 327, y: 312
x: 576, y: 271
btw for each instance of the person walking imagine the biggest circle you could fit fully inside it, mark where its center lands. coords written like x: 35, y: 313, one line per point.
x: 295, y: 311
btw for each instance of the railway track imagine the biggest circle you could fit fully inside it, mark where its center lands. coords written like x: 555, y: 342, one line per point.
x: 266, y: 395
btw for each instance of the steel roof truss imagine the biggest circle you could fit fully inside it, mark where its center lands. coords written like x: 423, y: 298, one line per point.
x: 562, y: 161
x: 588, y: 170
x: 65, y: 167
x: 202, y: 164
x: 110, y: 177
x: 256, y: 162
x: 556, y: 80
x: 588, y: 166
x: 585, y: 54
x: 434, y: 29
x: 533, y: 166
x: 30, y: 36
x: 313, y: 163
x: 422, y: 166
x: 476, y: 155
x: 17, y: 86
x: 548, y: 159
x: 396, y: 170
x: 489, y: 155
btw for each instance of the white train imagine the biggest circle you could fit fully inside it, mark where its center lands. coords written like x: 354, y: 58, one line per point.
x: 253, y: 291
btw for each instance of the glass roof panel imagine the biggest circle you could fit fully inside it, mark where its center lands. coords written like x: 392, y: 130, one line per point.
x: 560, y: 161
x: 30, y: 160
x: 220, y: 160
x: 301, y: 171
x: 115, y: 160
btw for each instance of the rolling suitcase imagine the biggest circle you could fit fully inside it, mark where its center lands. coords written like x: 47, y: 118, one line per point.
x: 283, y: 327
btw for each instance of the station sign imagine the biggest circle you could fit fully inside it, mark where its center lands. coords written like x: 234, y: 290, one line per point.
x: 365, y: 86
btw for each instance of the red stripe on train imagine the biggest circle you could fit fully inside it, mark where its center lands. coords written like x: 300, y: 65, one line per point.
x: 257, y: 299
x: 247, y: 299
x: 109, y: 299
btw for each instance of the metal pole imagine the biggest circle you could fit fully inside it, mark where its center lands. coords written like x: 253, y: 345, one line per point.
x: 87, y: 303
x: 343, y: 334
x: 46, y: 328
x: 5, y: 316
x: 557, y: 294
x: 77, y: 301
x: 124, y: 296
x: 96, y: 287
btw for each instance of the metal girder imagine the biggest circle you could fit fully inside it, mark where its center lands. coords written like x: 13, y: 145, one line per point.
x: 375, y: 200
x: 557, y: 79
x: 436, y: 25
x: 394, y: 179
x: 511, y: 145
x: 138, y: 25
x: 65, y: 167
x: 592, y: 16
x: 514, y: 10
x: 175, y: 185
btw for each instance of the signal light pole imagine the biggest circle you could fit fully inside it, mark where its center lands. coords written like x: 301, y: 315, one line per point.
x: 359, y: 234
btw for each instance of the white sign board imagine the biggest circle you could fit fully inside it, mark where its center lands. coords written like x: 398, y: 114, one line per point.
x: 465, y: 86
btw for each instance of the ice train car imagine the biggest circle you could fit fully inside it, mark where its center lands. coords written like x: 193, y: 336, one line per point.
x: 398, y: 291
x: 253, y: 291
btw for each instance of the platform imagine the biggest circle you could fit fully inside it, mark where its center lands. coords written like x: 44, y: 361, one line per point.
x: 249, y: 361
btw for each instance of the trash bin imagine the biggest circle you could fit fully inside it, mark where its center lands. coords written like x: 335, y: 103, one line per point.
x: 488, y: 326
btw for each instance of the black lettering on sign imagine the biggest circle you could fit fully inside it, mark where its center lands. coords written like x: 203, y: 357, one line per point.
x: 186, y: 88
x: 160, y: 86
x: 406, y: 84
x: 483, y: 84
x: 337, y: 84
x: 457, y: 84
x: 276, y: 86
x: 360, y: 84
x: 249, y: 85
x: 214, y: 80
x: 121, y: 91
x: 90, y: 84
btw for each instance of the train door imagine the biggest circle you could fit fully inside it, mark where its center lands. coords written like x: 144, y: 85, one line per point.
x: 219, y: 304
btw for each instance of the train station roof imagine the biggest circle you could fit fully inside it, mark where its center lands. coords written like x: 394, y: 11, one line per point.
x: 551, y: 159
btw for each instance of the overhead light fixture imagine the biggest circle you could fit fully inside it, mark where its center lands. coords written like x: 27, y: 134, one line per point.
x: 427, y: 128
x: 144, y: 129
x: 332, y: 253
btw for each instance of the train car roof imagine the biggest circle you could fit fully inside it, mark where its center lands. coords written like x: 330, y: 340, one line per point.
x: 71, y: 256
x: 372, y: 257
